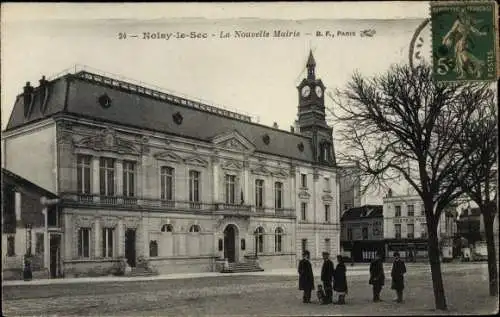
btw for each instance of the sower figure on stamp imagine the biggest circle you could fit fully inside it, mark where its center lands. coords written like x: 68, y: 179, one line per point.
x: 397, y: 274
x: 306, y: 277
x: 327, y: 277
x: 340, y: 280
x: 377, y: 276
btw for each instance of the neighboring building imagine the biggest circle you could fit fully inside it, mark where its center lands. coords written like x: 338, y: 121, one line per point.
x: 362, y: 232
x: 470, y: 225
x: 23, y: 228
x: 350, y: 187
x: 147, y: 175
x: 405, y: 226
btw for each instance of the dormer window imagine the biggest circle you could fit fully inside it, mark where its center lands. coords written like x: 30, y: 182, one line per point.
x: 325, y: 152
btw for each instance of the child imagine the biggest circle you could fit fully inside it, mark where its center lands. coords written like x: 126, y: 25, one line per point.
x: 321, y: 294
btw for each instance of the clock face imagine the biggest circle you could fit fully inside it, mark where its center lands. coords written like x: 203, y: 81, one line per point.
x: 319, y: 91
x: 306, y: 90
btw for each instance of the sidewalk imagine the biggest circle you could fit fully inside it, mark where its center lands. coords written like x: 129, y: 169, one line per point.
x: 357, y: 270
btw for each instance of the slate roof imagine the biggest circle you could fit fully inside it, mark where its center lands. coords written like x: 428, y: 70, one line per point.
x: 131, y: 105
x: 363, y: 212
x: 14, y: 179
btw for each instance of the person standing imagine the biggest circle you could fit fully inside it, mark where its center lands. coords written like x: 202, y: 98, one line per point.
x: 340, y: 280
x: 327, y: 277
x: 377, y: 276
x: 397, y: 274
x: 306, y: 277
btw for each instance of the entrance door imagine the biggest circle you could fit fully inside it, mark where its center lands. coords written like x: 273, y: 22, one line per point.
x: 130, y: 247
x: 55, y: 255
x: 230, y: 243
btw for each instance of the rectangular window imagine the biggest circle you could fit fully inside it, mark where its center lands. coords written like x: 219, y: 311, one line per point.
x: 230, y: 189
x: 303, y: 211
x: 259, y: 193
x: 364, y: 233
x: 397, y: 212
x: 304, y: 245
x: 194, y: 186
x: 278, y: 195
x: 410, y: 230
x: 83, y: 174
x: 128, y: 178
x: 39, y: 244
x: 107, y: 176
x: 423, y: 230
x: 327, y: 213
x: 11, y: 246
x: 397, y: 231
x: 167, y: 183
x: 422, y: 210
x: 411, y: 210
x: 303, y: 178
x: 53, y: 216
x: 107, y: 242
x: 84, y: 242
x: 349, y: 234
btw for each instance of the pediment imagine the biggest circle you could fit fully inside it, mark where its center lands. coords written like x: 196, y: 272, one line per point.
x: 327, y: 197
x: 304, y: 195
x: 168, y: 156
x: 280, y: 174
x: 261, y: 170
x: 196, y: 161
x: 232, y: 165
x: 233, y: 141
x: 107, y: 140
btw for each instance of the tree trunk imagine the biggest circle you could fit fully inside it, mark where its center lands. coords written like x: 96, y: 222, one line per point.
x: 488, y: 217
x: 435, y: 262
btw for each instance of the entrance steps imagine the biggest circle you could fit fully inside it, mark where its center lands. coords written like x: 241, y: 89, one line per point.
x: 141, y: 271
x: 240, y: 267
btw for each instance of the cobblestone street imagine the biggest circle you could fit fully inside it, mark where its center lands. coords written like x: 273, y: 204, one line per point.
x: 245, y: 295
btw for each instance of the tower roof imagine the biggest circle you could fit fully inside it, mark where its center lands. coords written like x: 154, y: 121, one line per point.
x: 310, y: 60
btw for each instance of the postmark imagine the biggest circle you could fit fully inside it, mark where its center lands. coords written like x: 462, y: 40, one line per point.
x: 464, y: 40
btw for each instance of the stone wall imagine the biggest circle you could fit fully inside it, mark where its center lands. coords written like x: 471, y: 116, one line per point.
x: 169, y: 265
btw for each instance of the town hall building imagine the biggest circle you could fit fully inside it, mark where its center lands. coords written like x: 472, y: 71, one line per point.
x: 143, y: 175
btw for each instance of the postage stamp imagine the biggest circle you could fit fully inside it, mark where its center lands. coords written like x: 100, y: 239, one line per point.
x: 464, y: 40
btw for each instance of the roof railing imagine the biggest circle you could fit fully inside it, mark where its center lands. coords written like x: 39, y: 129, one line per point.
x: 121, y: 82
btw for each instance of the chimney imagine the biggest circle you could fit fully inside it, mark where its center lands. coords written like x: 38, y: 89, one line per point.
x: 292, y: 129
x: 28, y: 88
x: 42, y: 81
x: 275, y: 125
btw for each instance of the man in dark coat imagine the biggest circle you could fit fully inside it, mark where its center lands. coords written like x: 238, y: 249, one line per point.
x: 377, y: 276
x: 397, y: 274
x: 306, y: 277
x: 327, y: 277
x: 340, y: 280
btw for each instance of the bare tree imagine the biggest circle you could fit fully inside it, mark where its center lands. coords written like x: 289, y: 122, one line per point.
x: 479, y: 146
x: 395, y: 125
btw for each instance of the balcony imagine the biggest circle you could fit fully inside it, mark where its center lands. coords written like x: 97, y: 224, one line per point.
x: 140, y: 203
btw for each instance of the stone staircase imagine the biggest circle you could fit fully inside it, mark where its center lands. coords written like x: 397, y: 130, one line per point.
x: 239, y: 267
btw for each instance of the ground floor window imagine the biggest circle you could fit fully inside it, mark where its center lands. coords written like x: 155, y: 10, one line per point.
x: 153, y: 248
x: 107, y: 242
x: 84, y: 242
x: 11, y: 246
x: 39, y: 244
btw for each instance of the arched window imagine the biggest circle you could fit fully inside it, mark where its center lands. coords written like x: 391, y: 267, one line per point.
x: 194, y: 228
x: 259, y: 239
x: 167, y: 228
x: 278, y: 233
x: 153, y: 248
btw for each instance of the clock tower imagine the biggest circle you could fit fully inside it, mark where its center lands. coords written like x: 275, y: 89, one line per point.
x: 312, y: 116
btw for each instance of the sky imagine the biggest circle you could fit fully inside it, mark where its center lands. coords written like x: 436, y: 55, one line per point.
x: 255, y: 76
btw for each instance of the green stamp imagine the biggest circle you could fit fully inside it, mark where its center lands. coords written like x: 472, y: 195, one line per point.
x: 464, y: 40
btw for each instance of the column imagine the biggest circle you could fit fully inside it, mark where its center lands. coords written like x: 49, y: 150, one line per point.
x: 216, y: 171
x: 46, y: 250
x: 293, y: 190
x: 246, y: 183
x: 68, y: 237
x: 316, y: 196
x: 97, y: 237
x: 17, y: 205
x: 121, y: 238
x: 95, y: 175
x: 119, y: 177
x: 318, y: 251
x: 145, y: 236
